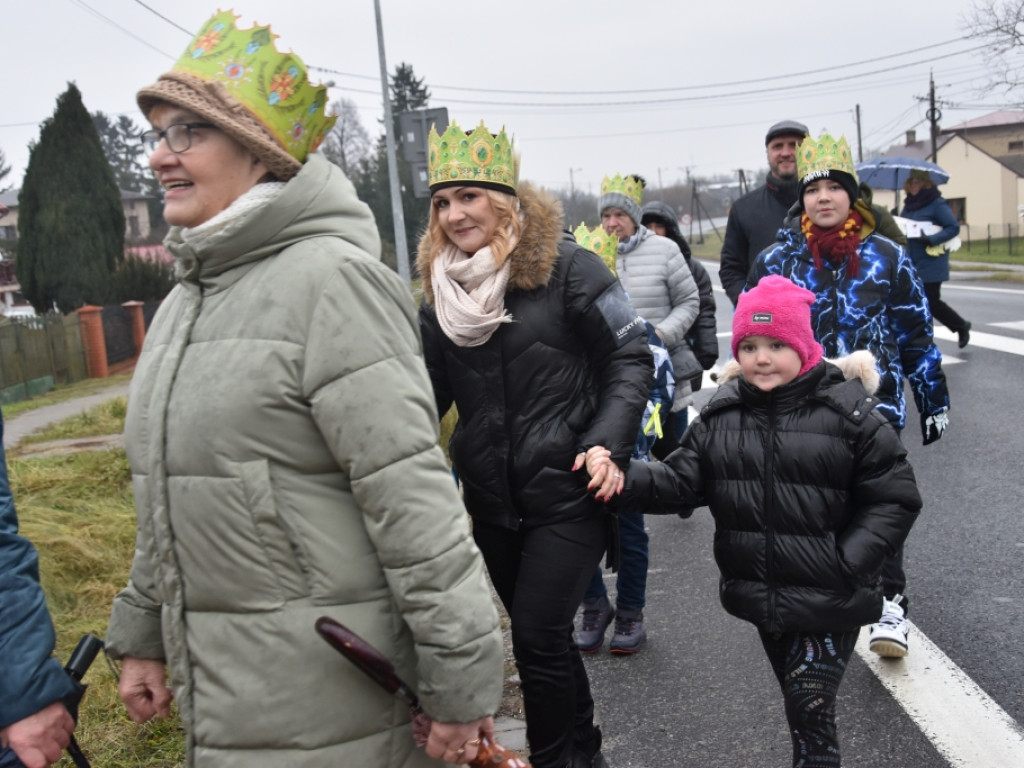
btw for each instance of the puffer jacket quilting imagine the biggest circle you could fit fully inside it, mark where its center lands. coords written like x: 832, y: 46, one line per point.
x: 571, y: 371
x: 799, y: 538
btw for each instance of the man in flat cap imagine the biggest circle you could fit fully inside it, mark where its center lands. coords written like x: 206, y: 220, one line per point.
x: 755, y: 219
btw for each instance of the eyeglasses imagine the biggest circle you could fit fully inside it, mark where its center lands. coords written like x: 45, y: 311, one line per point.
x: 178, y: 135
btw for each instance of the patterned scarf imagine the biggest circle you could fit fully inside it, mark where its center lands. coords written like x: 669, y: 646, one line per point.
x: 837, y: 244
x: 469, y: 294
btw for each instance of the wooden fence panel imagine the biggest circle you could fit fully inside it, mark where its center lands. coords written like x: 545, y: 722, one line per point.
x: 38, y: 352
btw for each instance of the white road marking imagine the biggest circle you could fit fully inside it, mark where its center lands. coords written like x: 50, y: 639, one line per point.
x: 963, y: 722
x: 985, y: 340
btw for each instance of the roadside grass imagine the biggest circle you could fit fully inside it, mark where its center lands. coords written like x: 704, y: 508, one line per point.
x: 78, y: 511
x: 105, y: 419
x: 64, y: 392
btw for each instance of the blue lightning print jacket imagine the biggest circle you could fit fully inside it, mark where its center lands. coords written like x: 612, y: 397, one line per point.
x: 883, y: 310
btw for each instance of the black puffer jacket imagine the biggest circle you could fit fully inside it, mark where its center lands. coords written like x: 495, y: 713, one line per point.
x: 810, y: 490
x: 571, y: 371
x: 753, y: 225
x: 703, y: 334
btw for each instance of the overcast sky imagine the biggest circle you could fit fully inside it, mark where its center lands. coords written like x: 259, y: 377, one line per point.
x: 596, y: 86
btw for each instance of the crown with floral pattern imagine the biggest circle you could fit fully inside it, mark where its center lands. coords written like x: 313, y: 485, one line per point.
x: 598, y: 241
x: 273, y: 86
x: 816, y: 157
x: 477, y: 158
x: 629, y: 186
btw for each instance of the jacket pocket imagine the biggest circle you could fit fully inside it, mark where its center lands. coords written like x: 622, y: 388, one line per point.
x: 232, y: 548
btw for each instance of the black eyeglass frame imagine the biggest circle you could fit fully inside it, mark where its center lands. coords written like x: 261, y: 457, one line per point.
x: 151, y: 139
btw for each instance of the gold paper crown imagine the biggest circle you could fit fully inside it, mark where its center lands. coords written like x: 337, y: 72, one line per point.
x: 629, y: 186
x: 475, y: 158
x: 815, y: 157
x: 600, y: 242
x: 272, y: 85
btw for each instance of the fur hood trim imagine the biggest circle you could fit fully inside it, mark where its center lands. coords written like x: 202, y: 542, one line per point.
x: 533, y: 259
x: 856, y: 365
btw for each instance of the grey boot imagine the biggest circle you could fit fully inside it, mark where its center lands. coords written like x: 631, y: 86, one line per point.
x: 597, y: 615
x: 630, y: 634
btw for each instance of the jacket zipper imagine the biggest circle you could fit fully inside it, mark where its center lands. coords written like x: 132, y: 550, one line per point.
x: 769, y: 506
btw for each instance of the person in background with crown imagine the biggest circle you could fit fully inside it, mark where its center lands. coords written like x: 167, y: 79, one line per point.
x: 703, y: 335
x: 755, y: 219
x: 868, y: 296
x: 282, y: 437
x: 659, y: 284
x: 535, y: 343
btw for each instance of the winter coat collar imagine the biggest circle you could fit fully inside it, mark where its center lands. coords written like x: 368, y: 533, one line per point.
x: 533, y: 259
x: 825, y: 382
x: 322, y: 203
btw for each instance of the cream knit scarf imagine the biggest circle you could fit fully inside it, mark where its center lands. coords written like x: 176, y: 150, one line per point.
x: 469, y: 294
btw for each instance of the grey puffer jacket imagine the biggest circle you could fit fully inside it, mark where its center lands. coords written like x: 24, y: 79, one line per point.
x: 282, y: 436
x: 703, y: 334
x: 810, y: 489
x: 661, y: 288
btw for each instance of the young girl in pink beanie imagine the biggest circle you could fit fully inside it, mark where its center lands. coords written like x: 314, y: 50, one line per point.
x: 810, y: 490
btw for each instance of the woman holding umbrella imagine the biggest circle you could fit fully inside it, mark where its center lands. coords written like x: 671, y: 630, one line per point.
x: 928, y: 252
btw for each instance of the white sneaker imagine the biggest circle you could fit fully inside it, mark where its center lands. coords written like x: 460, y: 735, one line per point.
x: 888, y: 638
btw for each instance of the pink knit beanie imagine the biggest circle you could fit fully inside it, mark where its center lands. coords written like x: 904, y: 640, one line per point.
x: 778, y: 308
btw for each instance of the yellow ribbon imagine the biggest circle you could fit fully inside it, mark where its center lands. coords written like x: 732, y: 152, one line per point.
x: 655, y: 422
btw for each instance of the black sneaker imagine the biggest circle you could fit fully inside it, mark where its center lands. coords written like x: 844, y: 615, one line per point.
x: 597, y: 615
x: 630, y: 634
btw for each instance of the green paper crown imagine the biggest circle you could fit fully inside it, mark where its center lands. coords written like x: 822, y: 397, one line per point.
x: 628, y: 186
x: 600, y: 242
x: 270, y: 84
x: 476, y: 157
x: 815, y: 157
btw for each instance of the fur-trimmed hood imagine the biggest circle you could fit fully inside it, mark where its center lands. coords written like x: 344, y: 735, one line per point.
x: 856, y: 365
x: 533, y: 258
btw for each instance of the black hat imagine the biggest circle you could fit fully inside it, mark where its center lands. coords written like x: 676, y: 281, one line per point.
x: 785, y: 128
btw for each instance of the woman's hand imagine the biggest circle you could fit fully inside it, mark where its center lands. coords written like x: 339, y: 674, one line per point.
x: 143, y: 689
x: 457, y: 743
x: 606, y: 479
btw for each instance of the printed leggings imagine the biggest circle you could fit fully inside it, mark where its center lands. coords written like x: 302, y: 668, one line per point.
x: 809, y: 667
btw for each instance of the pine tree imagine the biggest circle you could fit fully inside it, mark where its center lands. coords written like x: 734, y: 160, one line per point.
x: 70, y: 218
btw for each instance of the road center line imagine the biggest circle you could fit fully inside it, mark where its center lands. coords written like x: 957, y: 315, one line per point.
x: 966, y: 726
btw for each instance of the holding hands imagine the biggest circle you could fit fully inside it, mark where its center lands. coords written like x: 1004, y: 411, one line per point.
x: 606, y: 479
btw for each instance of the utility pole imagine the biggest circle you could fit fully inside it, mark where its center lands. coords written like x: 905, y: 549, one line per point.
x: 398, y: 214
x: 860, y: 147
x: 933, y: 115
x: 572, y: 192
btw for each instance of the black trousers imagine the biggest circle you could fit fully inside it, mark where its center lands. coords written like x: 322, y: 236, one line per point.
x: 941, y: 311
x: 809, y: 667
x: 540, y: 574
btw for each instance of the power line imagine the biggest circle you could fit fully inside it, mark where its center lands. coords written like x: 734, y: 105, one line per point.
x: 157, y: 13
x: 81, y: 4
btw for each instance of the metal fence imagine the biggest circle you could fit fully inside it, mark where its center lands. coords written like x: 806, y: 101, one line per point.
x: 1001, y: 238
x: 38, y: 352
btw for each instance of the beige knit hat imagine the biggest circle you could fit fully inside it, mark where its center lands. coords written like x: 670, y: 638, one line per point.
x: 239, y: 81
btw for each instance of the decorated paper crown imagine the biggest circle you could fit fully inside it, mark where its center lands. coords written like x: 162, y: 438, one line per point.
x: 476, y: 158
x: 816, y: 157
x: 600, y: 242
x: 629, y: 186
x: 247, y: 66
